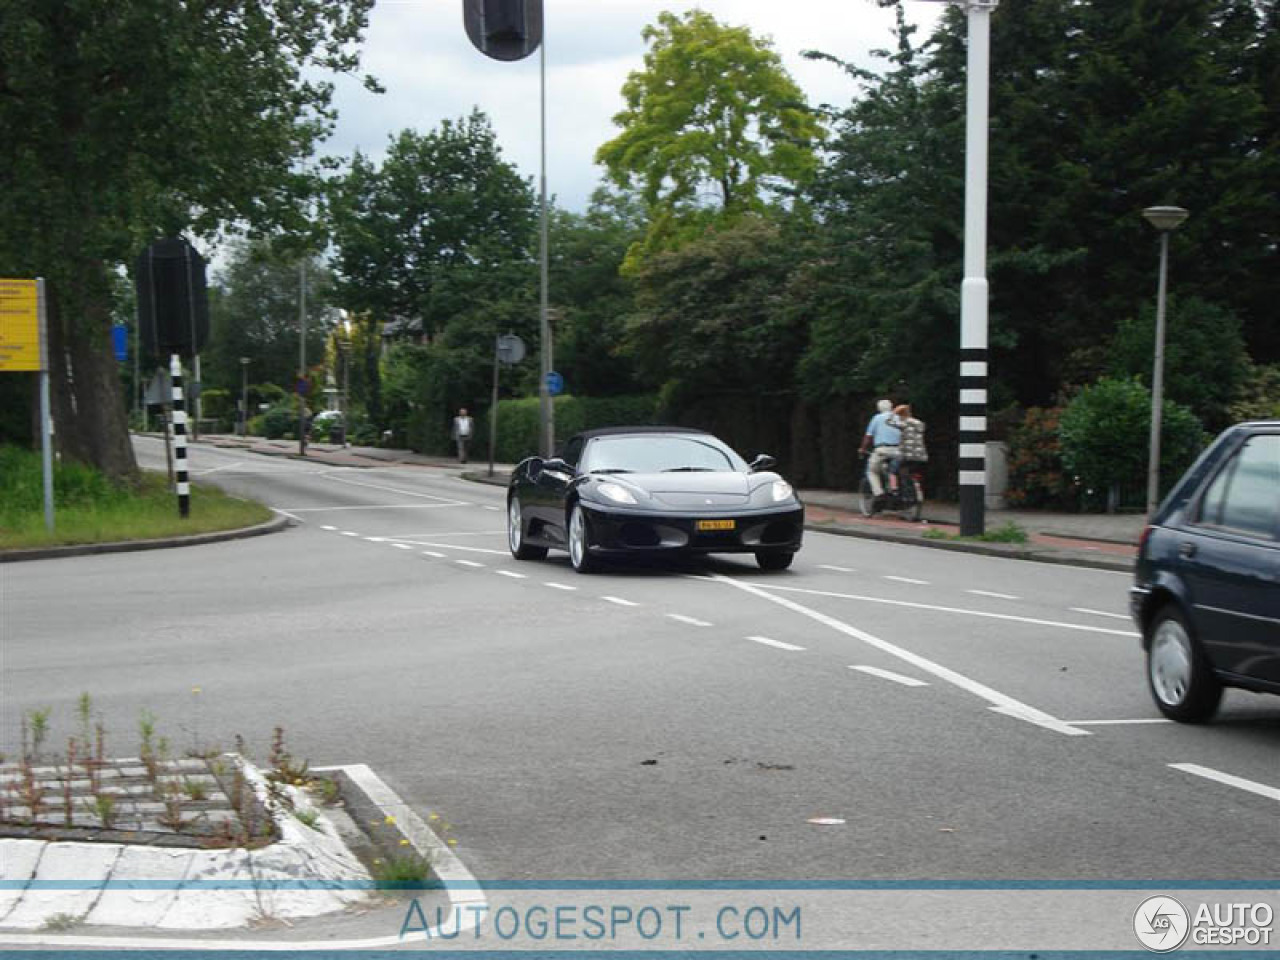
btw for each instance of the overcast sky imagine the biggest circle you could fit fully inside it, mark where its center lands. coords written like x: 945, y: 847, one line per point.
x: 419, y: 51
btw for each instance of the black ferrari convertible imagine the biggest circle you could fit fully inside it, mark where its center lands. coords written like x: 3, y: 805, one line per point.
x: 627, y: 491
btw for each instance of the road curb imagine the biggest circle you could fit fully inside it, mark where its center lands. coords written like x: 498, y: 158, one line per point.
x: 274, y: 525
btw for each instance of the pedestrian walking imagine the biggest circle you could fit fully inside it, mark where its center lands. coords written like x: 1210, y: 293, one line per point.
x: 463, y: 427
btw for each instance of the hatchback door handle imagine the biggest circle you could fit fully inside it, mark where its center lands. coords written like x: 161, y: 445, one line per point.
x: 1187, y: 549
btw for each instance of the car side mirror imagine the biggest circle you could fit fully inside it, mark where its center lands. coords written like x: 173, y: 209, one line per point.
x: 558, y: 465
x: 763, y: 462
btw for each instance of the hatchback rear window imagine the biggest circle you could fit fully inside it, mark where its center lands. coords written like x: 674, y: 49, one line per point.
x: 1245, y: 494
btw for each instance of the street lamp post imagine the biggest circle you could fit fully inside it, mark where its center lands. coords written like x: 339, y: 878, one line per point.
x: 244, y: 396
x: 1166, y: 220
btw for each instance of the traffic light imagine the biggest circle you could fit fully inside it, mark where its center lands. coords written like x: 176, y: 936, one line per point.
x: 503, y: 29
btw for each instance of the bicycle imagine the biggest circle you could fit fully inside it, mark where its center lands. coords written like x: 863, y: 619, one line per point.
x: 907, y: 501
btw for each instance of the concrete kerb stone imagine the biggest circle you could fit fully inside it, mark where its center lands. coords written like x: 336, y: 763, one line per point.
x: 274, y: 525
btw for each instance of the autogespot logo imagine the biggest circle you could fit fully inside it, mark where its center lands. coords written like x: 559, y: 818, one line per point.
x: 1161, y: 924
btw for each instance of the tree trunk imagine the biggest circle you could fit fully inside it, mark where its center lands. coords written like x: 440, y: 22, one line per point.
x: 90, y: 420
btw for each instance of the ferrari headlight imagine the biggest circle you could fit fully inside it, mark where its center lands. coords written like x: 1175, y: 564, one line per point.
x: 616, y: 492
x: 782, y: 491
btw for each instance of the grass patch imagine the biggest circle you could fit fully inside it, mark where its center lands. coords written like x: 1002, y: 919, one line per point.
x: 1009, y: 533
x: 89, y: 508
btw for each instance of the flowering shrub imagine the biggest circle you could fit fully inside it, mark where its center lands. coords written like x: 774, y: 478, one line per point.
x: 1036, y: 475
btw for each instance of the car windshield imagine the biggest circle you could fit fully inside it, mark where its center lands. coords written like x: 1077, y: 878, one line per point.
x: 656, y: 453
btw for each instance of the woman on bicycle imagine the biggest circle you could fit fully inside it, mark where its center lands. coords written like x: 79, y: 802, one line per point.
x: 911, y: 449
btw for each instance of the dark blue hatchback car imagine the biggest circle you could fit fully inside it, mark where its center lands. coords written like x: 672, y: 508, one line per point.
x: 1207, y: 589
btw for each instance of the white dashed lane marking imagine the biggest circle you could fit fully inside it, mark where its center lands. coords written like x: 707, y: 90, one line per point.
x: 510, y: 573
x: 921, y: 583
x: 1099, y: 613
x: 350, y: 533
x: 770, y: 642
x: 402, y: 546
x: 890, y: 675
x: 327, y: 527
x: 469, y: 563
x: 827, y: 566
x: 691, y: 621
x: 558, y: 586
x: 992, y: 593
x: 621, y: 602
x: 432, y: 553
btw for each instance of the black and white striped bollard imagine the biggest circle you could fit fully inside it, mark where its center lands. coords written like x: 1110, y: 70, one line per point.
x: 180, y: 438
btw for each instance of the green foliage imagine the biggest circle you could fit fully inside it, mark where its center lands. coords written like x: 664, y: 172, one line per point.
x: 1036, y: 477
x: 1205, y: 362
x: 134, y: 119
x: 518, y: 420
x: 74, y: 485
x: 280, y: 420
x: 218, y: 404
x: 712, y: 112
x: 1259, y: 394
x: 1105, y: 433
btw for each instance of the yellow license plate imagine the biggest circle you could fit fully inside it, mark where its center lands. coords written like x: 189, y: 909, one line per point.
x: 716, y: 524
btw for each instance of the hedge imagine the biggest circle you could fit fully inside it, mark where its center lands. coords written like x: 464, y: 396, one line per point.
x: 518, y: 420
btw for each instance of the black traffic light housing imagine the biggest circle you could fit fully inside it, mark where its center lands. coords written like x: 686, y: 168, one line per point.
x: 503, y: 29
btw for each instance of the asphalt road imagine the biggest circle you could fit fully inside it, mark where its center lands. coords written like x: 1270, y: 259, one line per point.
x: 965, y: 717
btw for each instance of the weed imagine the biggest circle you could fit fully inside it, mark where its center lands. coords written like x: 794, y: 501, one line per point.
x: 308, y: 817
x: 147, y: 748
x: 62, y: 921
x: 66, y: 780
x: 1009, y: 533
x: 327, y: 788
x: 31, y: 793
x: 104, y: 808
x: 195, y: 790
x: 401, y: 871
x: 171, y: 796
x: 36, y: 723
x: 85, y: 709
x: 284, y: 768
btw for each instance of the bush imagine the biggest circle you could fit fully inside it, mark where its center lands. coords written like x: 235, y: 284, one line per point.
x: 1105, y: 434
x: 1037, y: 478
x: 518, y: 420
x: 279, y: 421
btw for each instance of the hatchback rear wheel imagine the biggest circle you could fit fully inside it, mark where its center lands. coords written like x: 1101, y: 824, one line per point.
x: 1181, y: 680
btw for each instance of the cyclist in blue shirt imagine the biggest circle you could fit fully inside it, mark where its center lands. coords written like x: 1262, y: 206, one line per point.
x: 882, y: 436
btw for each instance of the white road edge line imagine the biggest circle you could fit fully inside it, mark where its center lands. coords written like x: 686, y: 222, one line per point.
x: 691, y: 621
x: 890, y: 675
x: 459, y: 883
x: 621, y: 602
x: 770, y: 642
x: 1261, y: 789
x: 1000, y: 702
x: 453, y: 546
x: 916, y: 605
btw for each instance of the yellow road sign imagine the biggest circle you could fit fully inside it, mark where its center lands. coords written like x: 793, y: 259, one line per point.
x: 20, y: 333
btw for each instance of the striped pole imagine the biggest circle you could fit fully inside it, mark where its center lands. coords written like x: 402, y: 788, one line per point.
x: 180, y: 438
x: 973, y: 291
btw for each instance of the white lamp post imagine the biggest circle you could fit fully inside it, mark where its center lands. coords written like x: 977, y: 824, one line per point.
x: 1166, y: 220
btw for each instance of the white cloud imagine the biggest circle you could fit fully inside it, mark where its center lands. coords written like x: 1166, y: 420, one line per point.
x: 419, y: 51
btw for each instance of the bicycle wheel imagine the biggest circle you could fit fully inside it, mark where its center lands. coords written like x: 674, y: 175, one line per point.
x: 913, y: 507
x: 866, y: 499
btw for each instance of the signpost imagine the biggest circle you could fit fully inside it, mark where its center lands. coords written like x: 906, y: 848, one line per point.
x: 24, y: 348
x: 508, y: 349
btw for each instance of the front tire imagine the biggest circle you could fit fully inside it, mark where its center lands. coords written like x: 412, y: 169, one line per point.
x: 774, y: 561
x: 515, y: 533
x: 580, y: 542
x: 1181, y: 681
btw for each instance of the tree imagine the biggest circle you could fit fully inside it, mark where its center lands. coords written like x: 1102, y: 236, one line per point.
x: 137, y: 118
x: 444, y: 226
x: 713, y: 121
x: 254, y: 314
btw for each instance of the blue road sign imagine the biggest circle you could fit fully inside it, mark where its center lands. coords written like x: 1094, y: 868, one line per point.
x: 120, y: 342
x: 555, y: 384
